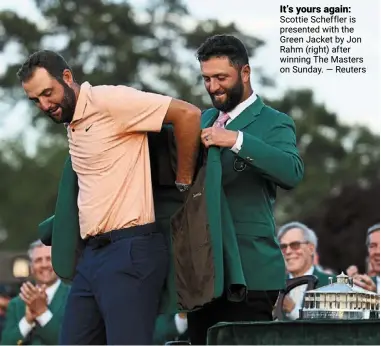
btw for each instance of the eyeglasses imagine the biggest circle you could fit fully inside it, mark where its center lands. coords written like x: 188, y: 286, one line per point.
x: 295, y: 245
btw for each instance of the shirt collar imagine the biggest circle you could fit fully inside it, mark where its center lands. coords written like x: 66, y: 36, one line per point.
x: 242, y: 106
x: 308, y: 272
x: 51, y: 290
x: 81, y: 101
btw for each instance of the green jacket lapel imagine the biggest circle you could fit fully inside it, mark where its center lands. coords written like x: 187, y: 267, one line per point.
x: 208, y: 117
x: 247, y: 116
x: 221, y: 222
x: 59, y: 297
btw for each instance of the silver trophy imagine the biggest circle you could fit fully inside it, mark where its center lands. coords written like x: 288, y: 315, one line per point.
x: 340, y: 300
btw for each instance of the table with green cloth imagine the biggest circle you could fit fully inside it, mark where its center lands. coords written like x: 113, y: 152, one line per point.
x: 311, y: 332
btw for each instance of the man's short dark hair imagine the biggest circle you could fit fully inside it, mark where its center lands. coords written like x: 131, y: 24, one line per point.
x: 51, y: 61
x: 229, y: 46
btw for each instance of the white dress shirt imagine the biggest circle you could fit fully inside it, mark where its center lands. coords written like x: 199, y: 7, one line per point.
x: 378, y: 284
x: 25, y: 327
x: 297, y: 295
x: 234, y: 114
x: 181, y: 324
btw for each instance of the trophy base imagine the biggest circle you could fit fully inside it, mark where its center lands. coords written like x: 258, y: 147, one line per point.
x: 338, y: 315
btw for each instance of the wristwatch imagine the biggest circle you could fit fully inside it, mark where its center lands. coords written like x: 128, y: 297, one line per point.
x: 182, y: 187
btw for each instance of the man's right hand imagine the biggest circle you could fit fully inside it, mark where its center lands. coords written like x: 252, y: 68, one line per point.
x: 352, y: 270
x: 365, y: 281
x: 35, y: 298
x: 29, y: 315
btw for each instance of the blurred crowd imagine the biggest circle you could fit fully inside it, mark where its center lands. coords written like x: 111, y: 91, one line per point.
x: 33, y: 313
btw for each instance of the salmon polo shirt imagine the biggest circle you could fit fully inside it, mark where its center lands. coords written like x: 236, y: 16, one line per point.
x: 108, y: 144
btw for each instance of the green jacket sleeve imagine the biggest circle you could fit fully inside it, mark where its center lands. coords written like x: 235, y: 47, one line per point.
x: 45, y: 231
x: 50, y: 332
x: 276, y: 155
x: 11, y: 332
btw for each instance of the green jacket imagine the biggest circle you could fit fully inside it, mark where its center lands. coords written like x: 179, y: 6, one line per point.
x: 47, y: 335
x: 61, y: 230
x: 268, y: 158
x: 234, y: 248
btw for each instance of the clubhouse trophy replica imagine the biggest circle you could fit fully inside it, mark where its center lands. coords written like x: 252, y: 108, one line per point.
x: 341, y: 300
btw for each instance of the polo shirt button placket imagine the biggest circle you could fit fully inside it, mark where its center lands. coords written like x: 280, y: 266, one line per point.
x: 72, y: 130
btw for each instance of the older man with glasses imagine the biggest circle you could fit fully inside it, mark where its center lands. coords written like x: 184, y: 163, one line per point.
x: 299, y: 244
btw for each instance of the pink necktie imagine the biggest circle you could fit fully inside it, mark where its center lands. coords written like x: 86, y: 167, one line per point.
x: 221, y: 120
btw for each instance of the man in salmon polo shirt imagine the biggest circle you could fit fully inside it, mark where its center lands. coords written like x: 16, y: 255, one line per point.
x: 115, y: 293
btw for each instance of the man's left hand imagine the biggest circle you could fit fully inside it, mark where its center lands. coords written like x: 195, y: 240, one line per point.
x: 218, y: 137
x: 40, y: 303
x: 35, y: 298
x: 364, y: 281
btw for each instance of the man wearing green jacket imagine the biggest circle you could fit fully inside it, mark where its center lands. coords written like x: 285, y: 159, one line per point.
x: 35, y: 316
x: 255, y: 148
x: 299, y: 245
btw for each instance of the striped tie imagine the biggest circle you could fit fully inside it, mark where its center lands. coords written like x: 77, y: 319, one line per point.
x: 221, y: 120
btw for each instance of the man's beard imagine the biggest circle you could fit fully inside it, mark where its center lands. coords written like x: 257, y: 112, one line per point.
x: 67, y: 105
x: 233, y: 97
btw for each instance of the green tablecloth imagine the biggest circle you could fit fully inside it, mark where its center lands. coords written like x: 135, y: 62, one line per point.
x: 326, y: 332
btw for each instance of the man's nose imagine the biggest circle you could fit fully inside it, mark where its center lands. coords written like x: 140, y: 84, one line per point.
x: 46, y: 263
x: 213, y: 86
x: 287, y: 250
x: 45, y: 105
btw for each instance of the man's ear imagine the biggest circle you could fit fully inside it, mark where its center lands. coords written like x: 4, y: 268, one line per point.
x: 245, y: 73
x: 311, y: 249
x: 67, y: 77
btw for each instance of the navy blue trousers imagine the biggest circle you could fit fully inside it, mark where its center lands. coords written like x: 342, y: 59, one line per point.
x: 114, y: 298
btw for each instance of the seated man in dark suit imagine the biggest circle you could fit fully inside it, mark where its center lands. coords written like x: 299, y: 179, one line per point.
x: 35, y: 316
